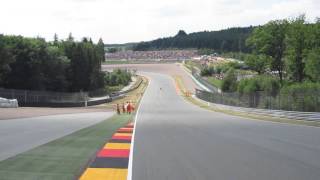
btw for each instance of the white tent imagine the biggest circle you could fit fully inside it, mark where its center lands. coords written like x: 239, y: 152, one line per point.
x: 8, y: 103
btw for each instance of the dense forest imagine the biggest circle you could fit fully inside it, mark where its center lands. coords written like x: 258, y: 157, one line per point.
x: 229, y: 40
x: 66, y: 66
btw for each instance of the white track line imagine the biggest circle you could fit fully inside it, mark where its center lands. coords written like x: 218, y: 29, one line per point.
x: 129, y: 176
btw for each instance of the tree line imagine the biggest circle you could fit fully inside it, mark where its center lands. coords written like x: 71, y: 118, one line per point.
x: 286, y: 50
x: 288, y: 47
x: 228, y: 40
x: 286, y: 57
x: 61, y: 65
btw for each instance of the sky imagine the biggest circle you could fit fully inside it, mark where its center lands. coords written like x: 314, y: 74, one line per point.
x: 121, y: 21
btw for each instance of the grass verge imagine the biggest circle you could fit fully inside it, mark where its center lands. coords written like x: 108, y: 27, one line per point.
x: 215, y: 82
x: 64, y: 158
x: 250, y: 116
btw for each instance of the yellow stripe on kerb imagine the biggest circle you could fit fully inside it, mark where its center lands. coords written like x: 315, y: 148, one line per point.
x: 126, y: 129
x: 122, y: 134
x: 104, y: 174
x: 117, y: 146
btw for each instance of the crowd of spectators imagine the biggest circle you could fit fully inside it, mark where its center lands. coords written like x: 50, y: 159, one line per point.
x: 152, y: 55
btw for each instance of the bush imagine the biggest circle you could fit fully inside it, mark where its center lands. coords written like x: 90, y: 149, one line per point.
x: 229, y: 83
x: 218, y: 69
x: 252, y: 86
x: 207, y: 71
x: 236, y: 65
x: 301, y: 97
x: 268, y: 84
x: 118, y: 77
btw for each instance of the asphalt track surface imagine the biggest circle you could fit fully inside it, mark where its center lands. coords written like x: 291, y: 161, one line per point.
x: 20, y: 135
x: 176, y: 140
x: 169, y: 69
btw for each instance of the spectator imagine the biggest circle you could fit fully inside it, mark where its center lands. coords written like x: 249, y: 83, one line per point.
x: 118, y: 109
x: 123, y: 108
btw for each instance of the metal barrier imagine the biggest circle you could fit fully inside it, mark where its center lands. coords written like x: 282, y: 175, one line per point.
x: 205, y: 83
x: 27, y: 97
x: 304, y: 102
x: 307, y: 116
x: 61, y: 99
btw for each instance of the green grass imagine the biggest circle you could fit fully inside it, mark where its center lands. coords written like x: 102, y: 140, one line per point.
x: 112, y: 89
x: 190, y: 64
x: 64, y: 158
x: 215, y: 82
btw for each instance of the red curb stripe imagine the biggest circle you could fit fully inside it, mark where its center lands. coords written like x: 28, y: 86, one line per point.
x: 116, y: 153
x: 122, y: 137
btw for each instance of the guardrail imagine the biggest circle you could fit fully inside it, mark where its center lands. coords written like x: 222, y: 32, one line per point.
x: 42, y: 98
x: 298, y: 115
x: 205, y: 83
x: 298, y: 101
x: 60, y: 99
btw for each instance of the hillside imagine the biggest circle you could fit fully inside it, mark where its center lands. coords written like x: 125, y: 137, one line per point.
x: 228, y: 40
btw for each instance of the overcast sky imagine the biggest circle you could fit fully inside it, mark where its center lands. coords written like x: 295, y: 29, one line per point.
x: 119, y: 21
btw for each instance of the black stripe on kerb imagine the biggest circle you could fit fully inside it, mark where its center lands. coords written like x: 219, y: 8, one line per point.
x: 100, y: 162
x: 119, y: 141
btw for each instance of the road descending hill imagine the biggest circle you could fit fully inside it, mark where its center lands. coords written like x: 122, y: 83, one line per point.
x: 177, y: 140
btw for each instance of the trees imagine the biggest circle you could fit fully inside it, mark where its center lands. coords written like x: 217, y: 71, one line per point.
x: 26, y: 69
x: 229, y: 83
x: 270, y: 40
x: 312, y: 61
x: 34, y: 64
x: 292, y: 46
x: 228, y: 40
x: 55, y: 67
x: 118, y: 77
x: 5, y: 58
x: 85, y: 67
x: 182, y: 33
x: 296, y: 41
x: 100, y: 50
x: 55, y: 39
x: 312, y: 67
x: 258, y: 63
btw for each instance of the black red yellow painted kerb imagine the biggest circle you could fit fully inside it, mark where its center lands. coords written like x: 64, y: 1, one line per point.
x: 111, y: 162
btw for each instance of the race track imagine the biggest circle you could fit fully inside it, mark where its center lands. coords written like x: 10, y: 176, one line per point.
x: 177, y: 140
x: 20, y: 135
